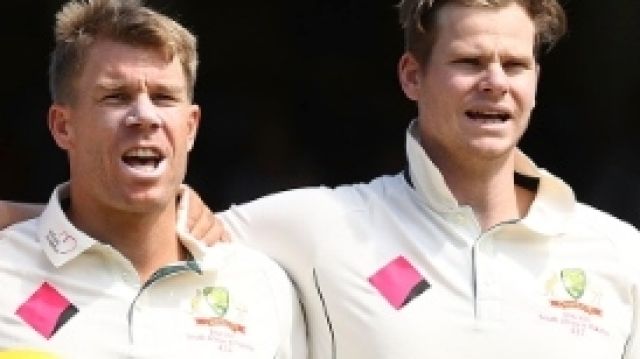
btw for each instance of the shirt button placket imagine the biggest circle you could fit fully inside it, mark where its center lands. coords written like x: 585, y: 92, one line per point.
x: 489, y: 296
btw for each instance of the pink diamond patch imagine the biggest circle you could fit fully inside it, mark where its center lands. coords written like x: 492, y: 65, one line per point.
x: 399, y: 282
x: 46, y: 310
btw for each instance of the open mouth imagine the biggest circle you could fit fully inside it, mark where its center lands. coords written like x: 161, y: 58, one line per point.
x: 143, y: 159
x: 488, y: 116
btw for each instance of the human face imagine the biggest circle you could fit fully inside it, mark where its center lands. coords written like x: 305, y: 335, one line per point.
x: 128, y: 131
x: 477, y: 90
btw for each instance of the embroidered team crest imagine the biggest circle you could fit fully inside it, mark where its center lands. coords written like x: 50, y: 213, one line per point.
x: 211, y: 307
x: 574, y: 281
x: 568, y: 289
x: 218, y: 299
x: 576, y: 303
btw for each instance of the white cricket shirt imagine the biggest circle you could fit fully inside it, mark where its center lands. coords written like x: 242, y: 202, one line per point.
x: 396, y: 268
x: 67, y: 294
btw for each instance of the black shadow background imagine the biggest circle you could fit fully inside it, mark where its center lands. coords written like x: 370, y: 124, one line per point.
x: 299, y: 93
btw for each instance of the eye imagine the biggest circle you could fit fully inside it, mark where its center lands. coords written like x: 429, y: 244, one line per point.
x: 516, y: 65
x: 470, y: 61
x: 468, y: 64
x: 162, y: 98
x: 115, y: 98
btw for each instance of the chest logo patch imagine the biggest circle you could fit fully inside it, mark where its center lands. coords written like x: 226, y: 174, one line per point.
x: 46, y: 310
x: 399, y: 282
x: 570, y: 289
x: 574, y: 281
x: 575, y: 302
x: 210, y: 305
x: 218, y: 299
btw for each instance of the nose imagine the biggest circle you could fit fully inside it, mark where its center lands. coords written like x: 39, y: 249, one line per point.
x: 143, y: 114
x: 495, y: 81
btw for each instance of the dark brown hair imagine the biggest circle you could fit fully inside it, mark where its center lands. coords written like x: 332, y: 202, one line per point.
x: 418, y: 19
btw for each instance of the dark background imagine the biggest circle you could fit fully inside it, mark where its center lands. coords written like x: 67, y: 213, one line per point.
x: 304, y: 92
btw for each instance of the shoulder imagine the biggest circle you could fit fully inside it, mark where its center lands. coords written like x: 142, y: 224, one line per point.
x: 287, y: 202
x: 623, y: 237
x: 236, y: 260
x: 25, y: 231
x: 319, y: 199
x: 21, y: 249
x: 290, y: 225
x: 605, y: 224
x: 380, y: 189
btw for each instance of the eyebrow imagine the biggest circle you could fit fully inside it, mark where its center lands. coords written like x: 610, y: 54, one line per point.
x: 465, y: 50
x: 115, y: 85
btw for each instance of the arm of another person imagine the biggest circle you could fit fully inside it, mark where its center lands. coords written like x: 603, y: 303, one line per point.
x: 201, y: 223
x: 13, y: 212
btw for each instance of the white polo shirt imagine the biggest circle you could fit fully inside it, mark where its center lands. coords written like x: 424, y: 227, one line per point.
x: 67, y: 294
x: 396, y: 268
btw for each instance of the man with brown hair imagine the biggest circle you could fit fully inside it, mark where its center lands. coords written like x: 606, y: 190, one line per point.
x: 473, y: 251
x: 104, y: 272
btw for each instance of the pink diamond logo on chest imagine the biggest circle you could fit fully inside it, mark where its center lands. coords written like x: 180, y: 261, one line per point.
x: 46, y: 310
x: 399, y: 282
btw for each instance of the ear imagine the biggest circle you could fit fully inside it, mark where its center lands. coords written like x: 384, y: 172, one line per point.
x: 193, y: 124
x: 409, y: 74
x: 59, y: 125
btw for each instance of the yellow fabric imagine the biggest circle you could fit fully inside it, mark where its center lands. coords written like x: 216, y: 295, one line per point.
x: 26, y: 354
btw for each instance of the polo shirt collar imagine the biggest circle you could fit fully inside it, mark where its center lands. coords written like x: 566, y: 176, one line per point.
x: 195, y: 246
x: 59, y: 238
x: 549, y: 213
x: 62, y: 241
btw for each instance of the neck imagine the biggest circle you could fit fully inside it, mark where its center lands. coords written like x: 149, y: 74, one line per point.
x: 488, y: 188
x: 147, y: 239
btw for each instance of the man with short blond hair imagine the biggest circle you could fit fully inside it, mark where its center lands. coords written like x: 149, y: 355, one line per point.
x: 104, y: 272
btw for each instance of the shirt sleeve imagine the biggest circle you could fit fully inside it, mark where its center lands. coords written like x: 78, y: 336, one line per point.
x: 286, y: 226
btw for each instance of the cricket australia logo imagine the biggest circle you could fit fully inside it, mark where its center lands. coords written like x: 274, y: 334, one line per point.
x: 211, y: 305
x: 574, y: 281
x: 570, y: 289
x: 218, y: 299
x: 574, y: 299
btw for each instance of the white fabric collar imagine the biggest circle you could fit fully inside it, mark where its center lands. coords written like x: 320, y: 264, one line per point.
x: 62, y: 241
x: 549, y: 213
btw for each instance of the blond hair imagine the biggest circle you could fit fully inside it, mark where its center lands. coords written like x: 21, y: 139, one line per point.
x: 80, y: 23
